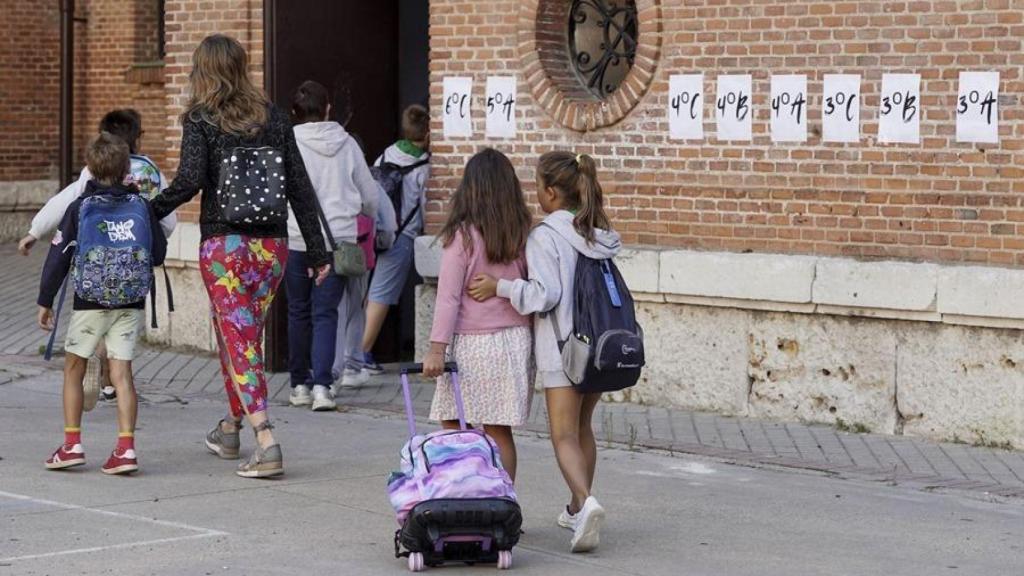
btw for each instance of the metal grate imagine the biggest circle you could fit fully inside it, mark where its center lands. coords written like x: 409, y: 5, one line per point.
x: 602, y: 42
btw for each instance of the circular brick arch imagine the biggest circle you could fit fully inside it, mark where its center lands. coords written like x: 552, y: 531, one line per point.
x: 556, y: 88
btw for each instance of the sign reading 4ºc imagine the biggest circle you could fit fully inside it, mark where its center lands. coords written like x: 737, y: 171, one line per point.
x: 500, y: 107
x: 789, y: 108
x: 686, y: 107
x: 977, y: 108
x: 456, y: 107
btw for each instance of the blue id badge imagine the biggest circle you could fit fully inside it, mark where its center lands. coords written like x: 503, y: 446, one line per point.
x: 609, y: 281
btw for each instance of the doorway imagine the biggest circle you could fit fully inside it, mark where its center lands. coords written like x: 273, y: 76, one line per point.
x: 378, y: 52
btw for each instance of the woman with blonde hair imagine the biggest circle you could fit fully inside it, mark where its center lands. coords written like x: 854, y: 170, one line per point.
x: 240, y: 152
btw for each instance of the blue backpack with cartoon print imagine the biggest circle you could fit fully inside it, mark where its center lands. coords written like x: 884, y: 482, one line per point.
x: 113, y: 264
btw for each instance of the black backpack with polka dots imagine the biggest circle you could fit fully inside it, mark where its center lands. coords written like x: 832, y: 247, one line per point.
x: 252, y: 186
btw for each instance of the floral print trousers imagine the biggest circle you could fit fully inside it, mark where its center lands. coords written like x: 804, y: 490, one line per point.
x: 241, y: 275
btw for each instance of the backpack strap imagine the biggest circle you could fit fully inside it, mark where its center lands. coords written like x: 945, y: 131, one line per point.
x: 327, y: 226
x: 408, y: 219
x: 152, y: 296
x: 56, y: 319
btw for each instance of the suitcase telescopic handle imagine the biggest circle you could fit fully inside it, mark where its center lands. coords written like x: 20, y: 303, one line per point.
x: 413, y: 368
x: 449, y: 368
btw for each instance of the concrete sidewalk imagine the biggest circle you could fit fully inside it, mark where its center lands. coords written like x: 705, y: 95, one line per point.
x: 186, y: 513
x: 887, y: 459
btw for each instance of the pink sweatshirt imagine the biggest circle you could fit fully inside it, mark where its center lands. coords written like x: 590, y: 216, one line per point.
x: 454, y: 311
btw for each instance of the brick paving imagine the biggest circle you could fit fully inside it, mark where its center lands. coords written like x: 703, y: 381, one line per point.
x: 890, y: 459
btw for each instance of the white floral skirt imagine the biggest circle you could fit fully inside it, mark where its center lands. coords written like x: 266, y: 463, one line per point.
x: 496, y: 373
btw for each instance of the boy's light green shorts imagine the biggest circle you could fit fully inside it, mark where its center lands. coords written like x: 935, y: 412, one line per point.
x: 118, y: 329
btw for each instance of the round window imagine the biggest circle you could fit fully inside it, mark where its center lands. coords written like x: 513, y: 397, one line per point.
x: 602, y: 42
x: 589, y: 62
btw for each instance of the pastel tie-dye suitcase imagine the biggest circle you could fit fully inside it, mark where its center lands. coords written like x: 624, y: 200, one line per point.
x: 452, y: 497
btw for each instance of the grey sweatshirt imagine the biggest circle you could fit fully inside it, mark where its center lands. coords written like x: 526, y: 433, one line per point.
x: 340, y: 177
x: 551, y: 254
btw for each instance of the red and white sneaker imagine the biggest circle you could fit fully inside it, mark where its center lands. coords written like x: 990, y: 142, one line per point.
x: 67, y: 456
x: 121, y: 462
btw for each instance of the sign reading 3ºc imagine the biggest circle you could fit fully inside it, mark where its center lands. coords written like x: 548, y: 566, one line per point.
x: 686, y: 107
x: 899, y: 109
x: 500, y: 107
x: 456, y: 107
x: 977, y: 108
x: 840, y: 108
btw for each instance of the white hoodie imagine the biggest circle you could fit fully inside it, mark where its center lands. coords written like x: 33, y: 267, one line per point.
x: 45, y: 221
x: 551, y: 254
x: 340, y: 177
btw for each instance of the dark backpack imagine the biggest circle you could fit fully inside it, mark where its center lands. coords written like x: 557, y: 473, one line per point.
x: 605, y: 350
x: 251, y: 189
x: 390, y: 176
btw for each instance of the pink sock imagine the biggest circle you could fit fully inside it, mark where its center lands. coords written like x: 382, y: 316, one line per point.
x: 72, y: 436
x: 126, y: 441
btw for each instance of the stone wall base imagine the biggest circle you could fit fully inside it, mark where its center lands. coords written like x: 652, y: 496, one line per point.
x: 189, y: 326
x: 944, y: 382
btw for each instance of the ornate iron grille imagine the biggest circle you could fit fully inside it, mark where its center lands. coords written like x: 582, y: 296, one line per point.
x: 602, y: 42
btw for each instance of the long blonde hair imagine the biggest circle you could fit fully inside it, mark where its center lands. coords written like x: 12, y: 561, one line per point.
x: 221, y: 90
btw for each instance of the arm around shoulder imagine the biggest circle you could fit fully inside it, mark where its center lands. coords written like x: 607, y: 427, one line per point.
x: 542, y: 290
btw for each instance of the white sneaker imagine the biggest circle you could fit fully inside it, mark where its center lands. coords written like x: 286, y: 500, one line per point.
x: 300, y: 396
x: 353, y: 378
x: 566, y: 520
x: 322, y: 400
x: 587, y: 534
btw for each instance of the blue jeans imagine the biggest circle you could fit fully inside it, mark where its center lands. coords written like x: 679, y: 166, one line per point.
x: 312, y: 323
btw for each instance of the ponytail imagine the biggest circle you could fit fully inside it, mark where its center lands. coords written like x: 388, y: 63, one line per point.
x: 574, y: 177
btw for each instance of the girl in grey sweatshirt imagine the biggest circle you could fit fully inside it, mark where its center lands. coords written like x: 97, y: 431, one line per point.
x: 569, y: 193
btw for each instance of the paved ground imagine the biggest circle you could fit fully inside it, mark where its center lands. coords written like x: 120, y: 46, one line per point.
x: 186, y: 513
x: 886, y: 459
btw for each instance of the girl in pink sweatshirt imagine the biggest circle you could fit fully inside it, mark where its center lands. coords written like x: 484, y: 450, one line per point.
x: 485, y: 233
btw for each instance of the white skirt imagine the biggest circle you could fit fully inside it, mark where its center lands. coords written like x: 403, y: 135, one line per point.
x: 496, y: 373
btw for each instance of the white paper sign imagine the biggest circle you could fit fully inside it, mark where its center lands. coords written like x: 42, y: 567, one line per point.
x: 686, y: 107
x: 733, y: 107
x: 456, y: 107
x: 840, y: 110
x: 899, y: 111
x: 789, y: 108
x: 977, y: 108
x: 501, y: 107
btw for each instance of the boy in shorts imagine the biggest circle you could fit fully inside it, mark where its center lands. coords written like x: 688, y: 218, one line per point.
x: 113, y: 319
x: 127, y: 125
x: 394, y: 265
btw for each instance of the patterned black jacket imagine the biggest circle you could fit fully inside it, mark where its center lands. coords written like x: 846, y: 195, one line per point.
x: 203, y: 146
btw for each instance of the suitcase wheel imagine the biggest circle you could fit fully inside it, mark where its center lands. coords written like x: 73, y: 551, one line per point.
x: 416, y: 563
x: 504, y: 559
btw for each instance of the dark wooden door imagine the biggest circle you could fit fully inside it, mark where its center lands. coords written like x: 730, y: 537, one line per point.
x: 335, y: 42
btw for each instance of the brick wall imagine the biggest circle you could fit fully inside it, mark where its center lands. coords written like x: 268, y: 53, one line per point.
x: 117, y: 67
x: 187, y: 23
x: 29, y: 89
x: 939, y: 200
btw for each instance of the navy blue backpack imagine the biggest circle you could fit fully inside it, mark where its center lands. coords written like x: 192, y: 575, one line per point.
x: 605, y: 350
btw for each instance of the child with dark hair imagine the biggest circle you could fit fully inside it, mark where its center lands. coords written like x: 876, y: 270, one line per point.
x: 107, y: 221
x: 485, y: 233
x: 345, y: 189
x: 126, y: 125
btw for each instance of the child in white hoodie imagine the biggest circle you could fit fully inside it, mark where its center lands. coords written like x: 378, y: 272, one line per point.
x: 126, y: 124
x: 345, y: 189
x: 569, y: 193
